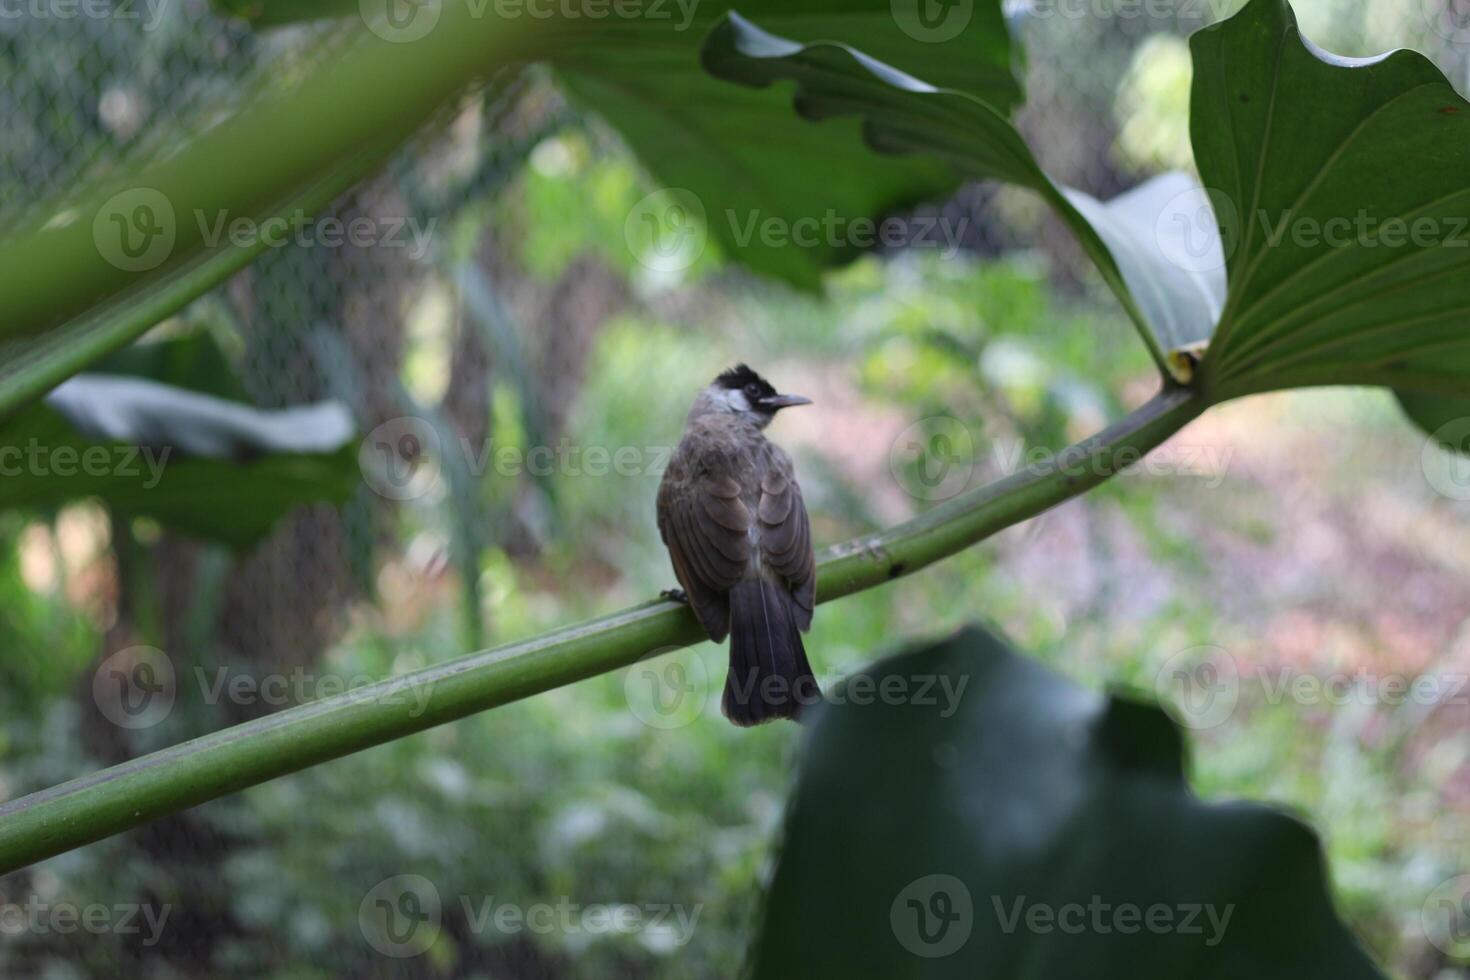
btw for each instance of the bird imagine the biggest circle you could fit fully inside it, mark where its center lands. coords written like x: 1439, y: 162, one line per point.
x: 731, y: 514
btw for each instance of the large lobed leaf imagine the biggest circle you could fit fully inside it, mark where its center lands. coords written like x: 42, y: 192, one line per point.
x: 742, y: 155
x: 1345, y: 208
x: 1028, y: 828
x: 901, y: 114
x: 1338, y: 183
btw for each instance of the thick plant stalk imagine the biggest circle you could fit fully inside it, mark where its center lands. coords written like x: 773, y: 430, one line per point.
x: 302, y: 138
x: 360, y: 94
x: 113, y: 800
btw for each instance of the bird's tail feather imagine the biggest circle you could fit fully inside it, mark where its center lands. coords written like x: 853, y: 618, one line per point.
x: 769, y: 673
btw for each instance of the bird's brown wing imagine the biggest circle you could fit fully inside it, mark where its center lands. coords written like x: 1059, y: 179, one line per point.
x: 706, y: 528
x: 786, y: 535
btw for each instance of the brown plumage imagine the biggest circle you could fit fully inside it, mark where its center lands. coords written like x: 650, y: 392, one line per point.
x: 731, y: 514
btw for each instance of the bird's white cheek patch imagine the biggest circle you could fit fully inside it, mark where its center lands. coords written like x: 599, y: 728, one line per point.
x: 737, y: 400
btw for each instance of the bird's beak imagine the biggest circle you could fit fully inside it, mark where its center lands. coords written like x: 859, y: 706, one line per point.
x: 776, y: 402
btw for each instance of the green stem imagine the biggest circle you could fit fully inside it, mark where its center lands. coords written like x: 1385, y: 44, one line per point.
x: 113, y: 800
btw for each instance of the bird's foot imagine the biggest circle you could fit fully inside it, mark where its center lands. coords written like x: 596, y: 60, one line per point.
x: 677, y: 595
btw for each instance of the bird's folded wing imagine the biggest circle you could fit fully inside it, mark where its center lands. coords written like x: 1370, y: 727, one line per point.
x: 786, y: 538
x: 707, y: 530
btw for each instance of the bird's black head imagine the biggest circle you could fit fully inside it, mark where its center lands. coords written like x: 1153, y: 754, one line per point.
x: 759, y: 397
x: 742, y: 378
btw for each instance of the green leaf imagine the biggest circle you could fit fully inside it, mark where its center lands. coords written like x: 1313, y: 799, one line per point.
x: 961, y: 812
x: 193, y: 361
x: 1345, y: 208
x: 741, y: 156
x: 1172, y: 305
x: 196, y: 462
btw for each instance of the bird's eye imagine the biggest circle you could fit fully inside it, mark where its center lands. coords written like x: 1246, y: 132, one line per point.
x: 753, y: 391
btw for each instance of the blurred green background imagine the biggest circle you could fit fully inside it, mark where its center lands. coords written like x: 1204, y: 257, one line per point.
x: 1296, y: 532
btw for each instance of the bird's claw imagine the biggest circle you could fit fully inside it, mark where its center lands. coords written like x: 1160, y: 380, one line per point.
x: 676, y: 595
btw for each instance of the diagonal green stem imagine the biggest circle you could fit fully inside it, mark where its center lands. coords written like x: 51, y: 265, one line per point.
x: 113, y: 800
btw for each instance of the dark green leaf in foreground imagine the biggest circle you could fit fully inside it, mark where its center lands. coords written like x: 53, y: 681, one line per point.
x: 1028, y: 828
x: 159, y: 443
x: 1171, y: 302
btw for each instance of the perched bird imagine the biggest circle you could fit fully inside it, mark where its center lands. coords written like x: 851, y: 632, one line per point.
x: 732, y: 517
